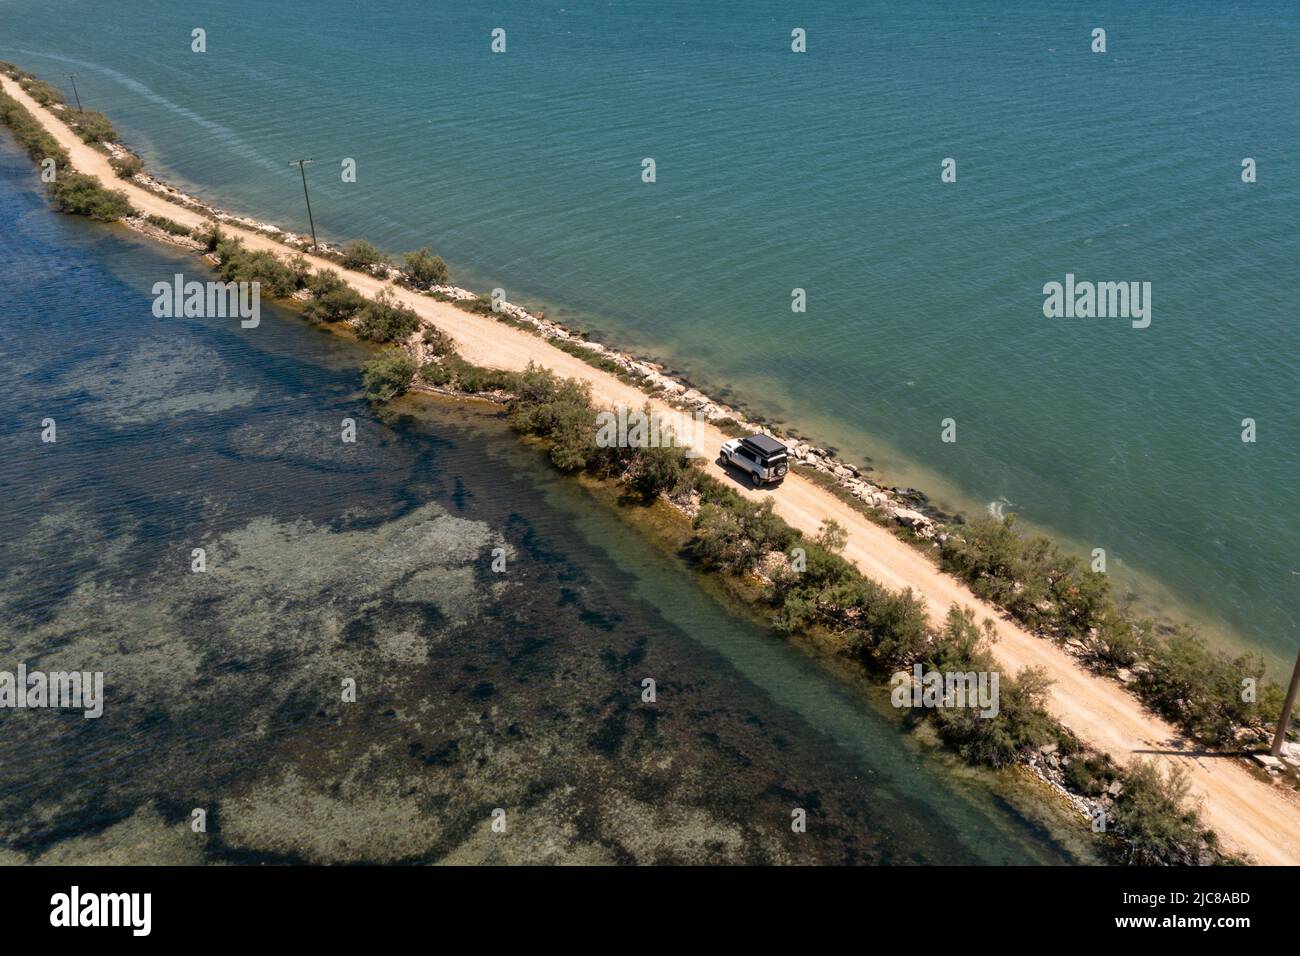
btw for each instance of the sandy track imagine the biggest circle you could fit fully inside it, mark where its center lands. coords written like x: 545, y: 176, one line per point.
x: 1250, y: 816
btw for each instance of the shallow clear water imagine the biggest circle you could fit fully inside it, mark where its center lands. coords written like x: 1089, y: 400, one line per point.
x: 371, y: 562
x: 820, y: 171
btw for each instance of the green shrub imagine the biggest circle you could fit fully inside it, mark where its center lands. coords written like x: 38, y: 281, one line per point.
x: 238, y: 264
x: 341, y: 305
x: 733, y: 536
x: 126, y: 166
x: 1029, y: 577
x: 994, y: 559
x: 1121, y: 642
x: 363, y: 256
x: 475, y: 378
x: 828, y: 593
x: 228, y: 247
x: 82, y: 195
x: 1050, y: 592
x: 1091, y: 776
x: 210, y: 235
x: 325, y: 281
x: 721, y: 541
x: 388, y: 376
x: 1081, y: 600
x: 435, y: 373
x: 437, y: 341
x: 1158, y: 826
x: 899, y: 627
x: 650, y: 464
x: 558, y: 410
x: 385, y: 320
x: 657, y: 469
x: 92, y: 127
x: 333, y: 300
x: 40, y: 91
x: 301, y: 269
x: 1201, y: 689
x: 594, y: 359
x: 1021, y: 723
x: 31, y: 136
x: 424, y: 269
x: 168, y: 225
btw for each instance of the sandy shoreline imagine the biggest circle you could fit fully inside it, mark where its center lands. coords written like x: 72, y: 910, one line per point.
x: 1250, y: 816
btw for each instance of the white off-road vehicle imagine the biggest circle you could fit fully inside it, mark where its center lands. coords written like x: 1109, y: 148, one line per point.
x: 762, y: 456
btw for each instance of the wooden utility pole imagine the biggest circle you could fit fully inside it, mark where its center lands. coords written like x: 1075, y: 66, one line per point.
x: 302, y: 163
x: 75, y: 94
x: 1287, y: 708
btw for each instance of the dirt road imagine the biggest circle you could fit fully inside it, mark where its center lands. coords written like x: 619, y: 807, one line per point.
x: 1250, y: 816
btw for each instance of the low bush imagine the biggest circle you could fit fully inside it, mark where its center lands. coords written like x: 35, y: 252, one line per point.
x: 333, y: 300
x: 475, y: 378
x: 1092, y: 775
x: 657, y: 469
x: 210, y: 235
x: 126, y: 166
x: 42, y: 92
x: 1158, y: 824
x: 1051, y: 593
x: 436, y: 341
x: 650, y: 464
x: 73, y: 193
x: 168, y: 225
x: 388, y: 376
x: 92, y: 127
x: 435, y: 373
x: 324, y: 281
x: 558, y: 410
x: 479, y: 305
x: 31, y: 136
x: 362, y: 256
x: 275, y: 278
x: 83, y: 195
x: 1202, y: 690
x: 1120, y: 641
x: 301, y: 269
x: 383, y: 319
x: 897, y: 626
x: 733, y: 536
x: 1021, y: 723
x: 424, y: 269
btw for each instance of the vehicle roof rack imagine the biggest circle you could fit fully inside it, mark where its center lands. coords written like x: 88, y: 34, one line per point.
x: 765, y: 444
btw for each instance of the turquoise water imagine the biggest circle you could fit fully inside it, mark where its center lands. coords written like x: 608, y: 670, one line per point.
x: 370, y: 561
x: 820, y: 171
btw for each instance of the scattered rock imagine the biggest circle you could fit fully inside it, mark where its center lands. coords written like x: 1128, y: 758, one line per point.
x: 918, y: 522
